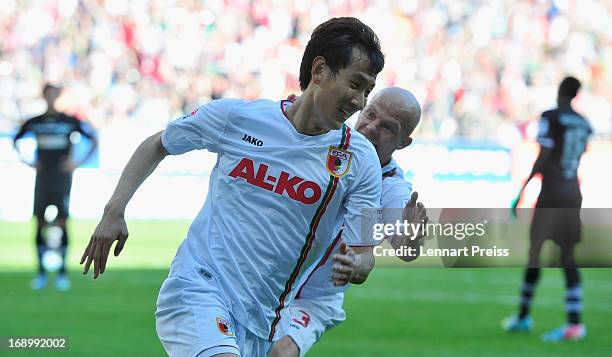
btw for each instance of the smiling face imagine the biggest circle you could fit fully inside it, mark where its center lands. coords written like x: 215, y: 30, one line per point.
x: 389, y: 120
x: 342, y: 94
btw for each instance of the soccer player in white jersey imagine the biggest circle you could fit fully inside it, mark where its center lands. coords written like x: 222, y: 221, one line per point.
x: 286, y: 174
x: 387, y: 121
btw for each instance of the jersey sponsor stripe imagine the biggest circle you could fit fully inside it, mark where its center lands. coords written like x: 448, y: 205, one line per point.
x: 346, y: 138
x: 327, y: 197
x: 331, y: 188
x: 321, y: 263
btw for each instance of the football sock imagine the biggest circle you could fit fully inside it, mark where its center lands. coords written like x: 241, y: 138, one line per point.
x: 41, y: 247
x: 63, y: 249
x: 527, y: 290
x: 573, y: 295
x: 40, y: 250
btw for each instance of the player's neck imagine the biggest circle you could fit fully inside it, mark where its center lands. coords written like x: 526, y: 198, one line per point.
x: 51, y: 111
x: 564, y: 103
x: 303, y: 116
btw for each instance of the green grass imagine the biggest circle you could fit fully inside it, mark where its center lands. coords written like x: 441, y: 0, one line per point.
x: 398, y: 312
x: 110, y: 317
x: 152, y: 244
x: 457, y: 312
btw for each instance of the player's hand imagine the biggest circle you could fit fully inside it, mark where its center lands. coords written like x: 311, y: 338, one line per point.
x: 35, y: 165
x: 285, y: 347
x: 343, y: 267
x: 292, y: 97
x: 415, y: 212
x: 111, y: 228
x: 68, y: 166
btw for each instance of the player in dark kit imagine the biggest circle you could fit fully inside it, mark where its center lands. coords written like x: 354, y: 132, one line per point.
x: 54, y: 166
x: 563, y: 138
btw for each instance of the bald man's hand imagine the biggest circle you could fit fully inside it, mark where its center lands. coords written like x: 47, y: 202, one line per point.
x: 416, y: 213
x: 343, y: 267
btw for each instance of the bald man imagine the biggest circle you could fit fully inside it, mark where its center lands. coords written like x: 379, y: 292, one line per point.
x: 387, y: 121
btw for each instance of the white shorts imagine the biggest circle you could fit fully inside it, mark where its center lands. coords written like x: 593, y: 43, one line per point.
x: 193, y: 318
x: 309, y: 319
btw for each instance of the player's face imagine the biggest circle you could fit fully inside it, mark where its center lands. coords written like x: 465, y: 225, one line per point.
x: 380, y: 122
x: 51, y: 95
x: 343, y: 94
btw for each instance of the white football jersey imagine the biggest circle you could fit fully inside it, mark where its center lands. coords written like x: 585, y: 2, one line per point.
x: 274, y: 199
x: 396, y: 192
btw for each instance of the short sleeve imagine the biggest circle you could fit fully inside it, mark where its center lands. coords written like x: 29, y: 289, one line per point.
x: 202, y: 129
x: 545, y: 134
x: 85, y: 129
x: 22, y: 131
x: 363, y: 205
x: 394, y: 200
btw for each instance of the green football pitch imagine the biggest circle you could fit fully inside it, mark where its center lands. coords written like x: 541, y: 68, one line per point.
x: 399, y: 311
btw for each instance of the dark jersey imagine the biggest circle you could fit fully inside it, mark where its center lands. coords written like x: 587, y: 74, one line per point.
x: 53, y: 132
x: 565, y: 132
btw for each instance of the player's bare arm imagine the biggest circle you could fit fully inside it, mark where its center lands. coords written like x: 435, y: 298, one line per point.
x: 538, y: 167
x: 414, y: 213
x: 541, y: 162
x: 112, y: 226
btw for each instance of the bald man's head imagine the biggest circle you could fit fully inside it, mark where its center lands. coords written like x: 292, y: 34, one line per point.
x: 389, y: 120
x: 405, y: 103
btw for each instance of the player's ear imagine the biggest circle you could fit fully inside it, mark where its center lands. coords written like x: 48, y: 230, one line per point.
x: 318, y: 70
x: 407, y: 141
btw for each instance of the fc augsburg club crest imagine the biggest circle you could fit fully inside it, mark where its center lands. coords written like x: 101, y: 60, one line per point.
x: 224, y: 326
x: 338, y: 161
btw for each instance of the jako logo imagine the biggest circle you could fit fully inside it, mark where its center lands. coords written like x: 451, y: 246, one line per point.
x: 252, y: 140
x: 297, y: 188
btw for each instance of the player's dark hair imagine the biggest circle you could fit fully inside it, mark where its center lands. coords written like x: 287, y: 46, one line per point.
x: 334, y: 40
x: 49, y: 87
x: 569, y: 87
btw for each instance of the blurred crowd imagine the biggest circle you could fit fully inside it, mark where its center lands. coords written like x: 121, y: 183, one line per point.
x: 481, y: 69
